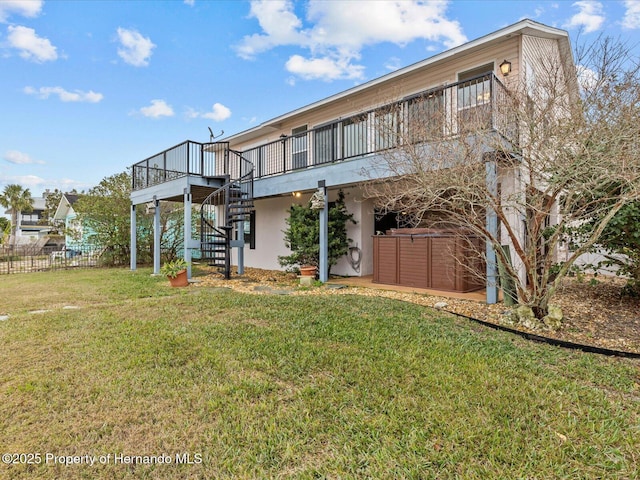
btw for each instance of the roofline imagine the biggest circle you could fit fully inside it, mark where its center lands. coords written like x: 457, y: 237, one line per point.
x: 522, y: 27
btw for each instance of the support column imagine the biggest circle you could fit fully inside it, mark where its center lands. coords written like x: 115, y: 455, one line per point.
x: 492, y: 228
x: 156, y: 236
x: 240, y: 248
x: 324, y: 234
x: 187, y: 230
x: 133, y: 246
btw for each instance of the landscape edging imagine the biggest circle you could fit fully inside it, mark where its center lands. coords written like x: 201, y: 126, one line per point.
x: 551, y: 341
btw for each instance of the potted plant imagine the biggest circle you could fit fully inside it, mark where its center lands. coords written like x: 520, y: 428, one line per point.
x: 176, y: 272
x: 302, y: 236
x: 308, y: 270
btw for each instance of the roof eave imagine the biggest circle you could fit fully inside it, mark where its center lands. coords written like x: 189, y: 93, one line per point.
x: 525, y: 26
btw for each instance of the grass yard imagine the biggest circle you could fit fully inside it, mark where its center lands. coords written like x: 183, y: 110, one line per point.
x: 264, y: 386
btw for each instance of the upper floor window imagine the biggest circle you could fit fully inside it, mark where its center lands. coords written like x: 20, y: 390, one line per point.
x: 299, y: 147
x: 387, y: 125
x: 425, y: 116
x: 325, y: 143
x: 474, y: 98
x: 354, y: 136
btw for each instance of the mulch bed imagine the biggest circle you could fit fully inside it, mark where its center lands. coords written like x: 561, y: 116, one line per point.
x: 596, y: 312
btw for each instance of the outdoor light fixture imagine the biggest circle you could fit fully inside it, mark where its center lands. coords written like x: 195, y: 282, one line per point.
x: 296, y: 194
x: 505, y: 68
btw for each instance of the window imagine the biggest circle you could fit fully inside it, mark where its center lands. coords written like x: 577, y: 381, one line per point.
x: 250, y: 230
x: 474, y: 98
x: 386, y: 127
x: 354, y: 136
x: 299, y: 147
x: 325, y: 144
x: 425, y: 117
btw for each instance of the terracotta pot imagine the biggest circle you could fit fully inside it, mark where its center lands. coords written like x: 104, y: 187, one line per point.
x: 180, y: 280
x: 308, y: 271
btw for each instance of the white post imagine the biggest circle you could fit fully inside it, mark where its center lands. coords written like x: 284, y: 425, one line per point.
x: 156, y: 236
x: 492, y: 227
x: 133, y: 244
x: 187, y: 230
x: 241, y: 247
x: 324, y: 234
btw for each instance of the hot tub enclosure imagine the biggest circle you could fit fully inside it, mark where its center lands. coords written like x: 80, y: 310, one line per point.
x: 448, y: 260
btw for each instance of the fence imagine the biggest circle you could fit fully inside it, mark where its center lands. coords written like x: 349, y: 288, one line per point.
x: 25, y: 259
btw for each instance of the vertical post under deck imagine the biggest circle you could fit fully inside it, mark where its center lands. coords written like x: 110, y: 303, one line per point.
x: 133, y: 243
x: 156, y: 236
x: 241, y: 247
x: 187, y: 230
x: 324, y: 234
x: 492, y: 228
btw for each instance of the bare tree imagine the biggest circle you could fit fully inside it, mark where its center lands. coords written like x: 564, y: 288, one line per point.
x: 547, y: 150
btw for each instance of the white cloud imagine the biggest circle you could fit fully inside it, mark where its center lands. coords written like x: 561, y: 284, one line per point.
x: 31, y: 46
x: 25, y: 8
x: 157, y: 109
x: 135, y: 49
x: 218, y: 113
x: 632, y: 14
x: 590, y: 16
x: 392, y: 64
x: 338, y: 30
x: 35, y: 183
x: 26, y: 181
x: 64, y: 95
x: 20, y: 158
x: 323, y: 68
x: 191, y: 3
x: 588, y: 79
x: 279, y: 23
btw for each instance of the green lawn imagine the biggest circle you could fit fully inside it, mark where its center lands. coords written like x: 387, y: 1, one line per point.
x: 263, y: 386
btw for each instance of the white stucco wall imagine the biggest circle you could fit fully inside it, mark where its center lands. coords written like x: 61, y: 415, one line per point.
x: 512, y: 190
x: 270, y: 225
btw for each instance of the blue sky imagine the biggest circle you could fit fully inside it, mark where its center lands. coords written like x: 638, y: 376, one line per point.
x: 87, y: 88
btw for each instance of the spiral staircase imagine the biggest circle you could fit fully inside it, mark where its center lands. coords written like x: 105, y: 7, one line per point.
x: 224, y: 211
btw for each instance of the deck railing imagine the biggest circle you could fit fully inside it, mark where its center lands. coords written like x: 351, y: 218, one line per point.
x: 473, y: 106
x: 187, y: 158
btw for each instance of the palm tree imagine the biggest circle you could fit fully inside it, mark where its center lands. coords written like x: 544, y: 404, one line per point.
x: 17, y: 200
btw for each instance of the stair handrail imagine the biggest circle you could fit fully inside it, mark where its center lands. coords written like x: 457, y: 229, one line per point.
x: 244, y: 181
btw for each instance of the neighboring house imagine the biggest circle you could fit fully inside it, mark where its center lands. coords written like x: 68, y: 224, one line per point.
x: 251, y: 178
x: 31, y: 227
x: 74, y: 233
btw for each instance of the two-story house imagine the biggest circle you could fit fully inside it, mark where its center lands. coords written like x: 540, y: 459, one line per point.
x: 247, y: 182
x: 30, y: 227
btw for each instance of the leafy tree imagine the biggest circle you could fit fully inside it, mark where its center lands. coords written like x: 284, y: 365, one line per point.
x: 5, y: 229
x: 302, y: 235
x: 620, y: 244
x: 18, y: 200
x: 104, y: 213
x: 557, y: 135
